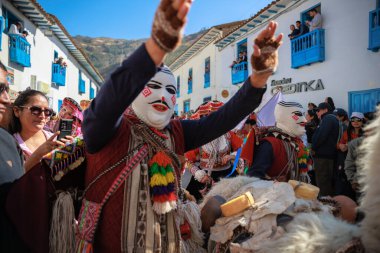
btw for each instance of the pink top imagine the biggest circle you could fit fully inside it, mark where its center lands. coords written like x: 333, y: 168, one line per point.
x: 25, y: 149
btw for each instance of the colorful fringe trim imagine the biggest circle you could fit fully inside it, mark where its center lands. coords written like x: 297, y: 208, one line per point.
x: 162, y: 183
x: 84, y: 247
x: 304, y: 162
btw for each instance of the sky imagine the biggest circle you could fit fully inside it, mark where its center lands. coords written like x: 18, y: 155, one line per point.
x: 132, y: 19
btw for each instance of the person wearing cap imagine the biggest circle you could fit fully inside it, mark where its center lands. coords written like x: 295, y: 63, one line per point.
x: 324, y: 143
x: 353, y: 131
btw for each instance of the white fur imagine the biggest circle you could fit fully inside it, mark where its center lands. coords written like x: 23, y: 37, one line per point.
x: 312, y: 233
x: 370, y: 180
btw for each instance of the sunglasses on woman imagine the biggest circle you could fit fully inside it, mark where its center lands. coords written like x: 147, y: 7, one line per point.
x: 356, y: 120
x: 4, y: 87
x: 37, y: 111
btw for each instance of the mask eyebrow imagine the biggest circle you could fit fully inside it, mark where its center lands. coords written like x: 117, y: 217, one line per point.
x: 298, y: 113
x: 155, y: 82
x: 171, y: 86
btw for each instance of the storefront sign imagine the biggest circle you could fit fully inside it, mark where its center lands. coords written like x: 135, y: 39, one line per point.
x: 287, y: 87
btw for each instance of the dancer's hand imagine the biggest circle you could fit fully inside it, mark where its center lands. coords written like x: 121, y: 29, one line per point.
x: 227, y: 158
x: 264, y: 59
x: 167, y: 30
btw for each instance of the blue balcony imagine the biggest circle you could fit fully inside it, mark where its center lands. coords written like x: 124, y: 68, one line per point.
x: 92, y: 93
x: 239, y: 72
x: 308, y: 48
x: 82, y: 86
x: 207, y: 80
x: 58, y: 75
x: 190, y: 87
x: 19, y: 50
x: 374, y: 30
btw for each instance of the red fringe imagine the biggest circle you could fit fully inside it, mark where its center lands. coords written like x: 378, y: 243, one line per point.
x: 165, y: 197
x: 161, y: 158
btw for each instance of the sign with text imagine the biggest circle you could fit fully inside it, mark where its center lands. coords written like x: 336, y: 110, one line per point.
x: 286, y: 86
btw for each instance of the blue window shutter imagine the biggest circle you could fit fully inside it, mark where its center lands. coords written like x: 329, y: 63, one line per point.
x: 81, y: 84
x: 178, y: 86
x: 59, y: 104
x: 55, y: 54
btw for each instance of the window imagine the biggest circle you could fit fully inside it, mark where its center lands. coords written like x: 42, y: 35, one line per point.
x: 81, y: 84
x: 176, y: 110
x: 374, y: 29
x: 207, y: 73
x: 55, y: 55
x: 239, y: 67
x: 242, y: 48
x: 186, y: 106
x: 92, y: 91
x: 190, y: 81
x: 9, y: 19
x: 59, y: 104
x: 308, y: 47
x: 178, y: 86
x: 305, y: 14
x: 206, y: 99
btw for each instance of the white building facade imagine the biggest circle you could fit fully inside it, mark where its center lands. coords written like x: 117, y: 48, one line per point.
x: 30, y: 60
x: 341, y: 60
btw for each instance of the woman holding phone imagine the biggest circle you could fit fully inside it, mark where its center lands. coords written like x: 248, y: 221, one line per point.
x: 30, y: 113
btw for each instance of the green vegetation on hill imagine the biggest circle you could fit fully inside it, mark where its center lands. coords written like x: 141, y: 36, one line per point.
x: 107, y: 54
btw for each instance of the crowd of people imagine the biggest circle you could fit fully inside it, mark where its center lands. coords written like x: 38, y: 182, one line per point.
x: 242, y: 57
x: 329, y: 131
x: 17, y: 29
x: 310, y: 25
x: 114, y: 182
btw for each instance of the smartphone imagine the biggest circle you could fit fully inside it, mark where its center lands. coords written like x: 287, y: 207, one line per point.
x: 65, y: 128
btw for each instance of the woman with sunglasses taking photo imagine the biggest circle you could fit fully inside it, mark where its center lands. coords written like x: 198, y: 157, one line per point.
x: 30, y: 113
x: 353, y: 131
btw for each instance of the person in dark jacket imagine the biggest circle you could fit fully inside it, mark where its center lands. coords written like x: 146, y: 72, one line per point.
x: 303, y: 29
x: 324, y: 146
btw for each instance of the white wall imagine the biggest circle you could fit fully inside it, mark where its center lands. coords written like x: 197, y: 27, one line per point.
x: 198, y: 65
x: 42, y: 57
x: 348, y: 66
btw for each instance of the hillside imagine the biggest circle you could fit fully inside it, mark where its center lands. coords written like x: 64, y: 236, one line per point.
x: 106, y: 53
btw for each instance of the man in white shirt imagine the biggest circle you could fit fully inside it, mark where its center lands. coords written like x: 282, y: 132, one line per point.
x: 316, y: 22
x: 15, y: 28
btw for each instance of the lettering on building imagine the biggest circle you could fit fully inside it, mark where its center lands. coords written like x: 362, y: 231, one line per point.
x: 286, y: 86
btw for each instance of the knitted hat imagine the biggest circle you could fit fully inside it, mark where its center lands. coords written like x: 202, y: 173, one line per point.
x: 77, y: 110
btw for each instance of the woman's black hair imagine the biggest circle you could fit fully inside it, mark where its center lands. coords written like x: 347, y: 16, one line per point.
x: 313, y: 114
x: 312, y: 104
x: 330, y: 101
x: 22, y: 99
x: 350, y: 129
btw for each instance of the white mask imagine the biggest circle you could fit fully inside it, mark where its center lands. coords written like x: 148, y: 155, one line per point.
x: 289, y: 118
x: 155, y: 104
